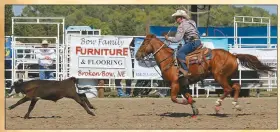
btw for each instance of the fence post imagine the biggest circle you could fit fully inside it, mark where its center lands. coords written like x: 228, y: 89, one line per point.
x: 100, y: 89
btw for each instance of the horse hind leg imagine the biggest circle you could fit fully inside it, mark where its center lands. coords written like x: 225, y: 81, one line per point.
x: 223, y: 81
x: 236, y: 87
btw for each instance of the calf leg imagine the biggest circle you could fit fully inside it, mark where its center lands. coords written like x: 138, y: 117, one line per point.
x: 31, y: 107
x: 21, y: 101
x: 83, y: 104
x: 84, y: 98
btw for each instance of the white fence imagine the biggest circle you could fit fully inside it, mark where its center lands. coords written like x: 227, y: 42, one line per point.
x: 63, y: 61
x: 32, y: 60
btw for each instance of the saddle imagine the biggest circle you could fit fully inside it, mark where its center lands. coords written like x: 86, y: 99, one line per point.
x: 197, y: 56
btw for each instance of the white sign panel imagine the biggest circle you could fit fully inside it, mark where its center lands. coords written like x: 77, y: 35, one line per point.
x: 147, y: 69
x: 100, y: 57
x: 264, y: 55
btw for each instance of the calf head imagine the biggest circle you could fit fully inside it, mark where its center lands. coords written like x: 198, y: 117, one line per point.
x: 15, y: 88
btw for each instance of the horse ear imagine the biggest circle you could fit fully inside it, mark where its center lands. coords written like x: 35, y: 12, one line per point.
x: 151, y: 36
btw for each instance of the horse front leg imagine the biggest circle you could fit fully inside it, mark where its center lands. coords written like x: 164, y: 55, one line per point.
x: 188, y: 96
x: 192, y: 102
x: 174, y: 92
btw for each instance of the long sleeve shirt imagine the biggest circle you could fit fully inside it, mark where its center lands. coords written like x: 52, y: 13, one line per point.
x: 41, y: 55
x: 184, y: 31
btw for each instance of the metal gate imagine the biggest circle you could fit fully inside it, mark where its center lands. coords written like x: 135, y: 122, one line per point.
x: 24, y: 63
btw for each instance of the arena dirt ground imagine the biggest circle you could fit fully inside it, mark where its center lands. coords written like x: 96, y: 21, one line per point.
x: 144, y: 113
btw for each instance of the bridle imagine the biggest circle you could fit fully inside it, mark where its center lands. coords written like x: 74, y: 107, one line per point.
x: 163, y: 45
x: 153, y: 54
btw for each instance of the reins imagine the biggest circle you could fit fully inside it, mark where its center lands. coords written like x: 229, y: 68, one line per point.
x: 161, y: 47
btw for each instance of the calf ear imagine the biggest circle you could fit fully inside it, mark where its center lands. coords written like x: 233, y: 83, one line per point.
x: 20, y: 80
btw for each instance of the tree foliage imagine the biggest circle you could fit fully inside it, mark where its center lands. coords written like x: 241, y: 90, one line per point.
x: 8, y: 19
x: 131, y: 19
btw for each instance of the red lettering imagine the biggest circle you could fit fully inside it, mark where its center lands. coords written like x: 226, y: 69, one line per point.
x: 119, y: 52
x: 81, y: 50
x: 103, y: 73
x: 97, y: 51
x: 106, y: 51
x: 78, y: 49
x: 125, y: 51
x: 90, y: 51
x: 112, y: 52
x: 93, y: 51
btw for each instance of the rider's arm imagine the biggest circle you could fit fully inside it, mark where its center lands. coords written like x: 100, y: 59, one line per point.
x: 179, y: 34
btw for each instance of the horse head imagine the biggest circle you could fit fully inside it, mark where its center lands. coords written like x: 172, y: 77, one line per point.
x: 145, y: 48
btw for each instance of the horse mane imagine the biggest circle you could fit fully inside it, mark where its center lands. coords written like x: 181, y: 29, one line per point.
x: 152, y: 36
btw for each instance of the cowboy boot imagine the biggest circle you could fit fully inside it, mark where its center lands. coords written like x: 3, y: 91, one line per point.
x: 183, y: 72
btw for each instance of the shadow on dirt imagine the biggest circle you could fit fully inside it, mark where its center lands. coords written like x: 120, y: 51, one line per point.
x: 169, y: 114
x: 218, y: 115
x: 227, y: 115
x: 41, y: 117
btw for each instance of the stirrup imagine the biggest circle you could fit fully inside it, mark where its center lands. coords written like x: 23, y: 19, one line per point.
x: 183, y: 73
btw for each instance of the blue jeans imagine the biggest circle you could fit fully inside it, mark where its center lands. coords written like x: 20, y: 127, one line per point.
x: 120, y: 90
x: 45, y: 74
x: 187, y: 48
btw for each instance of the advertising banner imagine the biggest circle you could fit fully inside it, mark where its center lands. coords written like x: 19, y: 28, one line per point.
x: 100, y: 57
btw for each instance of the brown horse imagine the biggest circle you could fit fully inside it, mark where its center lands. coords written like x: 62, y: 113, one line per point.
x: 220, y: 63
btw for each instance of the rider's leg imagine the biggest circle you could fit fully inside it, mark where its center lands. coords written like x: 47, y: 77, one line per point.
x: 182, y: 52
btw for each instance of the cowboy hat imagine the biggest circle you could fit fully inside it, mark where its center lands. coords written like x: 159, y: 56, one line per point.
x: 181, y: 13
x: 45, y: 42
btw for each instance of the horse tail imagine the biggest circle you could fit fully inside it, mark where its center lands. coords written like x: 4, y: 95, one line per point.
x: 253, y: 62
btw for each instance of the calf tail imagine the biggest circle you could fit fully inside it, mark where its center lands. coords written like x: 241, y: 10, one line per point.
x: 75, y: 80
x: 85, y: 88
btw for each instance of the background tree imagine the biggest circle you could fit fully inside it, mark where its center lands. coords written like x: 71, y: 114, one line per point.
x: 132, y: 19
x: 8, y: 20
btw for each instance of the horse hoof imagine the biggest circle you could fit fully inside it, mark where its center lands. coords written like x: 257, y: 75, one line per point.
x: 237, y: 107
x: 27, y: 117
x: 91, y: 107
x: 194, y: 116
x: 217, y: 109
x: 91, y: 113
x: 196, y: 112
